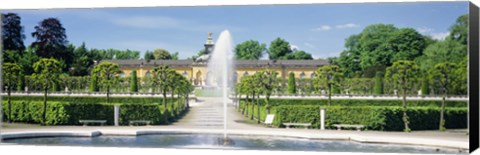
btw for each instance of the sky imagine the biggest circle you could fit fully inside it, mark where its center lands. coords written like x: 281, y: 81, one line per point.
x: 320, y: 29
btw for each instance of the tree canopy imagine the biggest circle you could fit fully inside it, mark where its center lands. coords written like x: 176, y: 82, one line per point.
x: 249, y: 50
x: 12, y: 32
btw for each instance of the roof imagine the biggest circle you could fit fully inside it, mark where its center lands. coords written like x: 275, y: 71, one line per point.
x: 239, y: 63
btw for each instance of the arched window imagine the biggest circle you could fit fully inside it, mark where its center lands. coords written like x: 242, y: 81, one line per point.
x: 185, y: 74
x: 245, y: 73
x: 147, y: 74
x: 302, y: 75
x: 312, y: 75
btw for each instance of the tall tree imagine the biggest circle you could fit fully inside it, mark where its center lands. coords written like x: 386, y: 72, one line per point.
x: 106, y: 72
x: 459, y: 30
x: 82, y: 61
x: 249, y: 50
x: 378, y: 88
x: 278, y: 49
x: 268, y: 82
x: 50, y: 39
x: 443, y: 75
x: 11, y: 74
x: 298, y: 55
x: 163, y: 80
x: 161, y: 54
x: 404, y: 74
x: 12, y: 32
x: 377, y: 47
x: 133, y: 82
x: 47, y: 73
x: 148, y: 56
x: 327, y: 77
x: 291, y: 83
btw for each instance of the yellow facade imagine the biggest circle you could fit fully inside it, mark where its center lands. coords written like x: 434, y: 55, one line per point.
x: 198, y: 74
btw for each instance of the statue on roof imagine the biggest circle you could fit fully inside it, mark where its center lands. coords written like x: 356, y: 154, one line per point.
x: 209, y: 45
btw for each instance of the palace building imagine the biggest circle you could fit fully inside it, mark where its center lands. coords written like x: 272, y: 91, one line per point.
x: 197, y: 70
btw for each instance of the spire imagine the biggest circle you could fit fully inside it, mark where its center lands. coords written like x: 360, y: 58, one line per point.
x: 209, y: 39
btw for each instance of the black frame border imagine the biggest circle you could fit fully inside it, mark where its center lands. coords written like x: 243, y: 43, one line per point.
x: 473, y: 69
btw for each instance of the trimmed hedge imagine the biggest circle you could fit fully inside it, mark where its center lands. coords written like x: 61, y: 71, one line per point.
x: 81, y: 100
x: 64, y: 113
x: 276, y: 102
x: 373, y: 117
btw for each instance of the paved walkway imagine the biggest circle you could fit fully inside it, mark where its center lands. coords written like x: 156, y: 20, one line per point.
x: 206, y: 116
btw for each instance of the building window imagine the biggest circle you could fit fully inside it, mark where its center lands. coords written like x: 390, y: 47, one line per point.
x: 185, y: 74
x: 122, y: 74
x: 147, y: 74
x: 312, y: 75
x: 245, y: 73
x: 302, y: 75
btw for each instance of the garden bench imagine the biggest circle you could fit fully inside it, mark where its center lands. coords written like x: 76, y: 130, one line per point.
x: 269, y: 120
x: 306, y: 125
x: 358, y: 127
x: 131, y: 123
x: 85, y: 122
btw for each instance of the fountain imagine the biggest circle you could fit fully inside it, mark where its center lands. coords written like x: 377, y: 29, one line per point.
x: 220, y: 66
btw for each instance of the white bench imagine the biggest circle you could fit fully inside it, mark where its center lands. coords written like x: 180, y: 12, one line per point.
x: 305, y: 125
x: 85, y: 122
x: 340, y: 126
x: 269, y: 120
x: 131, y: 123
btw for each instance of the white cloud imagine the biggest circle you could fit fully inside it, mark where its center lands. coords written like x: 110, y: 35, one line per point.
x: 309, y: 45
x: 349, y: 25
x: 424, y: 30
x: 440, y: 36
x: 322, y: 28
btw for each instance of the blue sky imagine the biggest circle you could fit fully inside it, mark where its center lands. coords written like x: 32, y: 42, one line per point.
x: 319, y: 29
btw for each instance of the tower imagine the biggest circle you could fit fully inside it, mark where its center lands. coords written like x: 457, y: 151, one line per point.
x: 209, y: 44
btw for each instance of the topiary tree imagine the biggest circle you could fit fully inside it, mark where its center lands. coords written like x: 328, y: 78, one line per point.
x: 94, y: 82
x: 11, y: 74
x: 425, y: 88
x: 47, y: 73
x: 133, y: 82
x: 404, y: 74
x: 107, y: 71
x: 268, y: 82
x: 163, y: 80
x: 378, y: 87
x: 443, y: 75
x: 292, y: 88
x: 327, y: 77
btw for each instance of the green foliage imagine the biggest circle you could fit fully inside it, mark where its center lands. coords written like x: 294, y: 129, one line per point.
x: 378, y: 88
x: 459, y: 30
x: 82, y: 61
x: 377, y: 47
x: 278, y: 49
x: 379, y: 103
x: 161, y: 54
x: 374, y: 118
x: 69, y: 110
x: 328, y: 77
x: 107, y: 71
x: 249, y: 50
x: 12, y: 33
x: 425, y: 86
x: 94, y: 83
x: 133, y: 82
x: 298, y: 55
x: 291, y: 83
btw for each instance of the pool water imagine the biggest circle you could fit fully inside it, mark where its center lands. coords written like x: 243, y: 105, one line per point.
x: 206, y: 141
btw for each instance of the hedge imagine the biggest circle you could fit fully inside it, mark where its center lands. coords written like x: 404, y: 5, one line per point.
x: 74, y: 99
x: 64, y: 113
x: 429, y: 103
x: 373, y: 117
